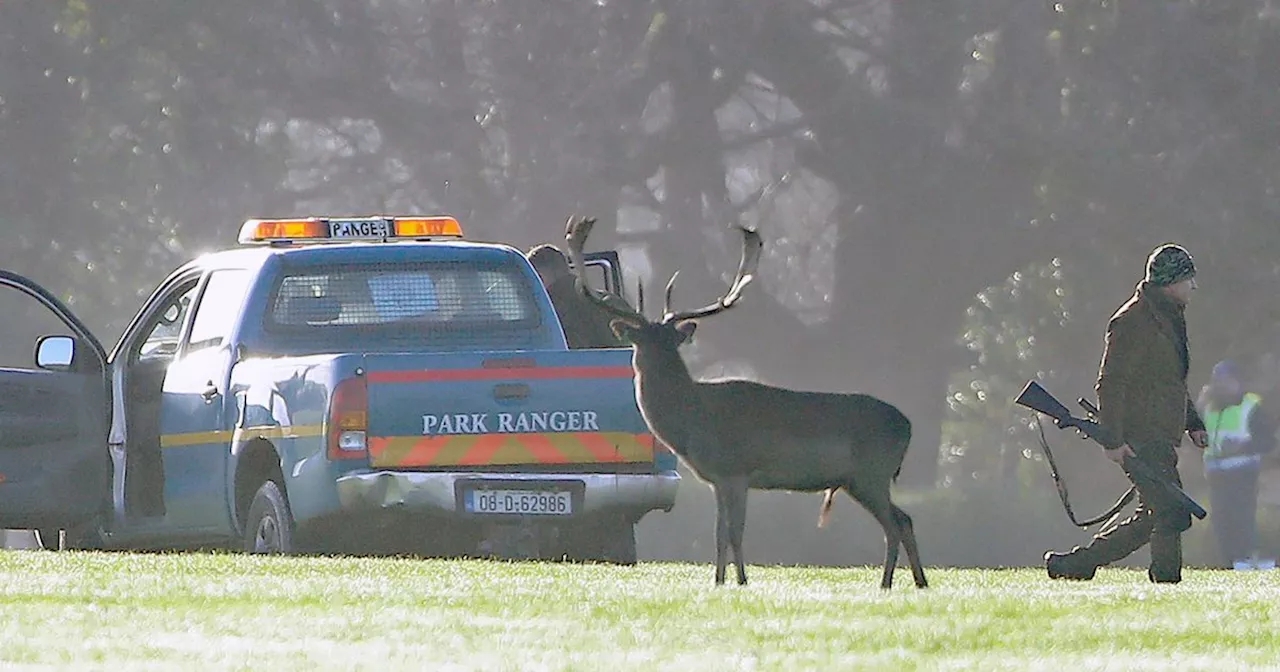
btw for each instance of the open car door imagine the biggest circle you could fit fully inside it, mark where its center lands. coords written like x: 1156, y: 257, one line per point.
x: 607, y: 271
x: 54, y: 465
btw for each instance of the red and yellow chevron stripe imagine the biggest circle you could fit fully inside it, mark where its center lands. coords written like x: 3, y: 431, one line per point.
x: 476, y: 450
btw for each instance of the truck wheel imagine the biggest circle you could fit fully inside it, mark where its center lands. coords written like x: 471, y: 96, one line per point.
x: 612, y: 540
x: 620, y: 545
x: 82, y: 537
x: 48, y: 538
x: 269, y: 525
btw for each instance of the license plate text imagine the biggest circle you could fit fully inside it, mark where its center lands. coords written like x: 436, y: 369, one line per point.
x: 519, y: 502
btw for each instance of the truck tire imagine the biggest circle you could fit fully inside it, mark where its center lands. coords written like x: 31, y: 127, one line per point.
x: 268, y: 528
x: 48, y: 538
x: 82, y: 537
x: 620, y: 545
x: 612, y: 541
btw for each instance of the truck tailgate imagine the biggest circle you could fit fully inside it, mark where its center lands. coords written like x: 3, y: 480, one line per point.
x: 503, y: 411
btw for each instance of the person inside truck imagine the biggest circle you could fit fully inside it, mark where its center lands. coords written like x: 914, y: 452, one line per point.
x: 585, y: 324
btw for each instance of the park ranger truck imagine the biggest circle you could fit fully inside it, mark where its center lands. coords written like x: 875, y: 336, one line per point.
x: 364, y: 384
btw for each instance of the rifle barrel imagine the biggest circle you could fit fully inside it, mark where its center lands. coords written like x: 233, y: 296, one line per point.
x: 1088, y: 427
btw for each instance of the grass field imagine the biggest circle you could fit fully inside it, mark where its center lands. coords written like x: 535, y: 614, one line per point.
x: 199, y: 611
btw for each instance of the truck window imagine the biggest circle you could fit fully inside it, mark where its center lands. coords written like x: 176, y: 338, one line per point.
x: 219, y: 305
x: 165, y: 328
x: 421, y: 296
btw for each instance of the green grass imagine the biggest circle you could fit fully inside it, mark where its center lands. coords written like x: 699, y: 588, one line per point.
x: 199, y: 611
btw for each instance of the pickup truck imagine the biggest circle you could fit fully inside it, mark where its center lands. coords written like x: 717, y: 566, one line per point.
x: 358, y: 384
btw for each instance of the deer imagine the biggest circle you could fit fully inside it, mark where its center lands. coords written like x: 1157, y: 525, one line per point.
x: 737, y: 435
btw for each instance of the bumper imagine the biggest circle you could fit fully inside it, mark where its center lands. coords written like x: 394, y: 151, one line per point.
x: 438, y: 493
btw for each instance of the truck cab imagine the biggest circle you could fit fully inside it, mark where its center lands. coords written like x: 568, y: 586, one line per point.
x: 354, y: 384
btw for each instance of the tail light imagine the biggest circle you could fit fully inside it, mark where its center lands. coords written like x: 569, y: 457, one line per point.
x: 349, y: 420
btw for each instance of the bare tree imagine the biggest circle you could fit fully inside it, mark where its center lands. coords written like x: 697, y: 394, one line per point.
x: 739, y: 434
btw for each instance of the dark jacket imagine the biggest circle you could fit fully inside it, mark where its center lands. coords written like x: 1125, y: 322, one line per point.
x: 585, y: 324
x: 1142, y: 383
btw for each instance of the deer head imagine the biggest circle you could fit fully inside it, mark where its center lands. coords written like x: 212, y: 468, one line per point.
x: 674, y: 327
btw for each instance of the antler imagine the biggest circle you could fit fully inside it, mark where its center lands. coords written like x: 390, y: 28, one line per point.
x: 751, y: 247
x: 575, y: 237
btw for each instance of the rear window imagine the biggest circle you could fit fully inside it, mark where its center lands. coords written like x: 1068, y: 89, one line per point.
x: 423, y: 296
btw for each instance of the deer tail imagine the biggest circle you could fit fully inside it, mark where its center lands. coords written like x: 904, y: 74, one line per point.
x: 904, y: 430
x: 825, y: 512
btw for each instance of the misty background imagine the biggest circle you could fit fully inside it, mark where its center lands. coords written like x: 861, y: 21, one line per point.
x: 954, y: 196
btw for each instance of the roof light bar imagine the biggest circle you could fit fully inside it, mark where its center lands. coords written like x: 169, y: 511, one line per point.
x: 343, y: 229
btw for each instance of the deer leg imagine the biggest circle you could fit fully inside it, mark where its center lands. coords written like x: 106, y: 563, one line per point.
x: 722, y: 530
x: 909, y: 544
x: 877, y: 503
x: 736, y: 497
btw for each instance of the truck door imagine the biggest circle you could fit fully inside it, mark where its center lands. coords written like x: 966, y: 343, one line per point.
x: 139, y: 364
x: 196, y: 418
x: 607, y: 270
x: 54, y: 466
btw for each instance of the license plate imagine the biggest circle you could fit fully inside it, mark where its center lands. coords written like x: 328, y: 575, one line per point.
x: 519, y: 502
x: 359, y: 228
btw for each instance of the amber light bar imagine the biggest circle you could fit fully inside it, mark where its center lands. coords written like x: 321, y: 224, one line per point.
x: 340, y: 229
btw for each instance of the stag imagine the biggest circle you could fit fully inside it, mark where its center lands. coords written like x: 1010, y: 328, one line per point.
x: 739, y: 434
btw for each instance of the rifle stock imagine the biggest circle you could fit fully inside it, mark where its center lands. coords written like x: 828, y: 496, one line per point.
x: 1038, y: 399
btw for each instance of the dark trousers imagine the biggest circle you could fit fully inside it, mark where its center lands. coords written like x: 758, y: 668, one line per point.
x: 1159, y: 521
x: 1233, y: 500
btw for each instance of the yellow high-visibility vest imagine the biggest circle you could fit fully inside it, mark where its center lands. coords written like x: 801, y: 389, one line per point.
x: 1231, y: 423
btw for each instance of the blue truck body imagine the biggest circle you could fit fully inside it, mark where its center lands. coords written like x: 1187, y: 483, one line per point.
x: 408, y: 396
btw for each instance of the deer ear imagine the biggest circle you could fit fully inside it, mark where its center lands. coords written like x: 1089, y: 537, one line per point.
x: 686, y: 329
x: 621, y: 328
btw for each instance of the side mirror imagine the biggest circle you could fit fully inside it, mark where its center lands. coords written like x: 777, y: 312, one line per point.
x: 55, y: 353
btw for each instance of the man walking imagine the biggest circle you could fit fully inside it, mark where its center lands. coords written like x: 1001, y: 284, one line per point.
x: 1240, y: 433
x: 1144, y: 408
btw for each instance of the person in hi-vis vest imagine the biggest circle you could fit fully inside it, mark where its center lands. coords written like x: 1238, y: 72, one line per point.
x: 1240, y: 433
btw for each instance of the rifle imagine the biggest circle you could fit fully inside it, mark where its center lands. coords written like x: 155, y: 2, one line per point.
x: 1036, y: 398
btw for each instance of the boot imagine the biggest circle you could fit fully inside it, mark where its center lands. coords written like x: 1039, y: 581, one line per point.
x: 1068, y: 566
x: 1166, y: 558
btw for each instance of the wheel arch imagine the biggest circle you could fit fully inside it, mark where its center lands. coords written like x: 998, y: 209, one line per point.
x: 258, y: 461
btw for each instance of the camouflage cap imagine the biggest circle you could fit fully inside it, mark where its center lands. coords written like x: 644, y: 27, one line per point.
x: 1170, y: 264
